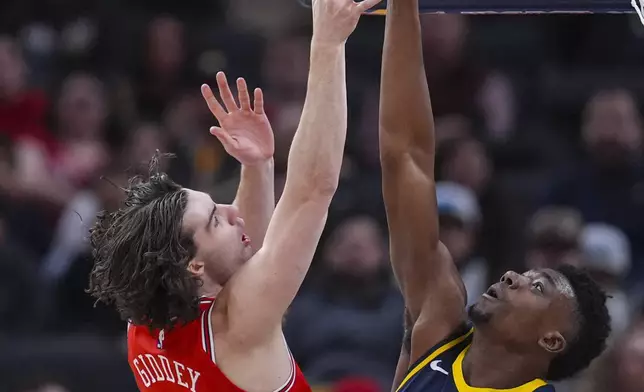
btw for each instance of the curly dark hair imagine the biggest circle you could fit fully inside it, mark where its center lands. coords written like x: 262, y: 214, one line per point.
x: 141, y: 254
x: 593, y: 326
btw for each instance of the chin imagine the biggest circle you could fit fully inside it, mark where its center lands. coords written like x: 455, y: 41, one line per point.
x: 477, y: 315
x: 247, y: 253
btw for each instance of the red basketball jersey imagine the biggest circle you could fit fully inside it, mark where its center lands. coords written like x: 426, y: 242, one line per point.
x: 184, y: 360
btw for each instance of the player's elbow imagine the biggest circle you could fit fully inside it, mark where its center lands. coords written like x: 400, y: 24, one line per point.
x: 392, y: 149
x: 324, y: 186
x: 317, y: 188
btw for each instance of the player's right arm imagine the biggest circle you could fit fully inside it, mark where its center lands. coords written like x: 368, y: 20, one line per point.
x: 263, y: 290
x: 433, y: 291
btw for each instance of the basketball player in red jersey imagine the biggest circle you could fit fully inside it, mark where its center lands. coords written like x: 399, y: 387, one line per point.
x: 204, y: 308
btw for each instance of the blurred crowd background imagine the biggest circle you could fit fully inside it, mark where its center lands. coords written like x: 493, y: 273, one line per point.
x: 539, y: 128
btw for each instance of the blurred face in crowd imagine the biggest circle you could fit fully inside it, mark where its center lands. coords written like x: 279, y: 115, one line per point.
x: 356, y: 247
x: 166, y: 49
x: 186, y: 118
x: 444, y: 35
x: 144, y: 141
x: 458, y: 237
x: 286, y: 66
x: 612, y: 128
x: 285, y: 123
x: 469, y: 165
x: 453, y: 126
x: 12, y: 68
x: 550, y: 254
x: 630, y: 361
x: 82, y: 108
x: 110, y: 192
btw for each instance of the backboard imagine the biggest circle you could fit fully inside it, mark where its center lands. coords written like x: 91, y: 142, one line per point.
x: 515, y: 6
x: 521, y: 6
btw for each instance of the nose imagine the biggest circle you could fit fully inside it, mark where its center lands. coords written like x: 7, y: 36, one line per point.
x: 511, y: 279
x: 234, y: 217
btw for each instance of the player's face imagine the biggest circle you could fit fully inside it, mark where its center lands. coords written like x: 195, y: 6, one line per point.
x: 222, y: 246
x: 529, y: 311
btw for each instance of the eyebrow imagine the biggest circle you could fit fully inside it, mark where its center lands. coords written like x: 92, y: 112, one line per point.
x: 212, y: 215
x: 549, y: 278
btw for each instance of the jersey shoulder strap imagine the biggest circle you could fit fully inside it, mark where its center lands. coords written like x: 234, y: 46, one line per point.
x: 455, y: 341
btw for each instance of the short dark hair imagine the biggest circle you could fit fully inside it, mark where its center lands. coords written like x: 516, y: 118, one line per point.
x: 592, y: 329
x: 141, y: 254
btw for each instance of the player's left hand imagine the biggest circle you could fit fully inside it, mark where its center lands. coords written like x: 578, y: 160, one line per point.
x: 244, y: 131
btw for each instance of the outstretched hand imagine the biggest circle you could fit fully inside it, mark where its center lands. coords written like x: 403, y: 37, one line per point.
x: 244, y: 131
x: 335, y: 20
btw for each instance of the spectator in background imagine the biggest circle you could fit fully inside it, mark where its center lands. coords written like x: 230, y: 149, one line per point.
x: 143, y: 141
x: 465, y: 161
x: 459, y: 219
x: 609, y: 185
x: 164, y: 68
x: 553, y: 238
x: 23, y: 294
x: 285, y: 68
x: 67, y: 263
x: 199, y: 157
x: 81, y: 124
x: 607, y: 257
x: 22, y: 117
x: 620, y: 369
x: 349, y: 323
x: 457, y: 80
x: 70, y: 236
x: 22, y: 110
x: 80, y: 151
x: 630, y: 361
x: 452, y: 126
x: 360, y: 180
x: 285, y: 116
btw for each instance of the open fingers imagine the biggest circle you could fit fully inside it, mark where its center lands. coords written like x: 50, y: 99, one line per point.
x: 259, y: 101
x: 367, y: 4
x: 226, y: 94
x: 213, y: 103
x: 242, y: 93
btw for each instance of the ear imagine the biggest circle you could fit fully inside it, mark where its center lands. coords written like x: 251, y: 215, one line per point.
x: 553, y: 342
x: 196, y: 267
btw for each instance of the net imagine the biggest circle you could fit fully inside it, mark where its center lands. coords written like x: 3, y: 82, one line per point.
x: 639, y: 9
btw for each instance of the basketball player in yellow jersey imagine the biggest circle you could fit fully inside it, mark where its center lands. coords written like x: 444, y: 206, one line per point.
x: 529, y: 328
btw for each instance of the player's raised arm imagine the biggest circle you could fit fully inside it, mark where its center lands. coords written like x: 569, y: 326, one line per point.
x: 424, y: 270
x: 265, y: 286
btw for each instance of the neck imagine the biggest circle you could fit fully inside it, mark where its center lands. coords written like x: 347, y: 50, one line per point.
x: 506, y: 370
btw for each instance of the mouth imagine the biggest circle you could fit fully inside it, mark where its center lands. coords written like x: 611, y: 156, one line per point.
x: 245, y: 239
x: 492, y: 294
